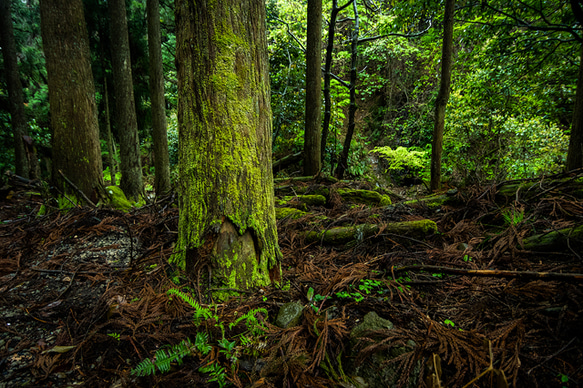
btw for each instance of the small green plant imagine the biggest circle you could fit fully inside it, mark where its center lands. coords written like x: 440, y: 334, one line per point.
x: 163, y: 359
x: 513, y: 216
x: 449, y: 322
x: 467, y: 258
x: 564, y: 379
x: 117, y: 336
x: 216, y: 372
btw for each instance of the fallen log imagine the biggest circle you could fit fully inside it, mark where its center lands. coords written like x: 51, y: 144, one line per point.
x: 557, y: 240
x: 346, y: 234
x: 287, y: 161
x: 570, y: 277
x: 301, y: 201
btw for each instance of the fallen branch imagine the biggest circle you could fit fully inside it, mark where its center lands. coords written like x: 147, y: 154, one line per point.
x: 568, y: 277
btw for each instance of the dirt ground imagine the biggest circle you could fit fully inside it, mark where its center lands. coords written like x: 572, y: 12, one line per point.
x: 83, y: 297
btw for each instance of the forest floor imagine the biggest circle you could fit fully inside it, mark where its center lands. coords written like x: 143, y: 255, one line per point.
x: 83, y: 297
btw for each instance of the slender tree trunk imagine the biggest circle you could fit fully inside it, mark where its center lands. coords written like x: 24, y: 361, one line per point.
x: 110, y: 143
x: 75, y: 140
x: 575, y: 153
x: 227, y: 215
x: 159, y: 135
x: 442, y: 95
x: 327, y: 74
x: 18, y: 118
x: 125, y: 106
x: 343, y: 162
x: 312, y: 131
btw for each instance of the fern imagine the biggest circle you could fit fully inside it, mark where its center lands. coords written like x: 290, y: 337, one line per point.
x: 163, y: 359
x: 200, y: 312
x: 253, y: 324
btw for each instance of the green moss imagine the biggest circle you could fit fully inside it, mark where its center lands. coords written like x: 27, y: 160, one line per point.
x: 117, y: 198
x: 288, y: 212
x: 365, y: 197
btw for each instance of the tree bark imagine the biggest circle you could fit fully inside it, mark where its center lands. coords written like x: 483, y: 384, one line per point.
x: 18, y: 118
x: 227, y: 214
x: 312, y: 131
x: 109, y: 137
x: 159, y: 135
x: 575, y: 152
x: 442, y: 95
x: 343, y: 162
x: 125, y: 106
x: 327, y: 74
x: 75, y: 140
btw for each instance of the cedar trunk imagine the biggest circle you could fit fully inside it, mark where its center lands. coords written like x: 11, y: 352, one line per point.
x: 18, y: 118
x: 75, y: 140
x: 159, y: 135
x: 343, y: 162
x: 125, y: 106
x: 312, y: 134
x: 227, y: 215
x: 442, y: 96
x: 575, y: 153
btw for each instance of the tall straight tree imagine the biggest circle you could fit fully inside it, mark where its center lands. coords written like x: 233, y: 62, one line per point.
x: 227, y: 214
x: 343, y: 162
x: 75, y: 140
x: 125, y: 105
x: 18, y: 118
x: 159, y: 135
x: 442, y: 95
x: 312, y: 134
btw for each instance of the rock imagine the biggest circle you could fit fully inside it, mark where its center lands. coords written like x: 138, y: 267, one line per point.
x: 376, y: 371
x: 289, y: 315
x: 371, y: 322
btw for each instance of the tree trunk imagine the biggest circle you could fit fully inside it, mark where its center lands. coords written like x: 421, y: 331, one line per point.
x: 75, y: 140
x: 159, y: 136
x: 442, y: 95
x: 343, y: 162
x: 327, y: 74
x: 125, y: 106
x: 109, y: 138
x: 19, y: 125
x: 227, y: 215
x: 312, y: 134
x: 575, y: 153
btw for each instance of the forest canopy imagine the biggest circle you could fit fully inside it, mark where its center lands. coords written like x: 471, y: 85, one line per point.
x: 509, y: 115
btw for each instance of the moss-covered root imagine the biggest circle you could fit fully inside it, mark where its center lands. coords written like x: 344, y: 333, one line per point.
x: 117, y: 198
x: 302, y: 201
x: 555, y: 241
x: 344, y: 235
x: 236, y: 263
x: 365, y: 197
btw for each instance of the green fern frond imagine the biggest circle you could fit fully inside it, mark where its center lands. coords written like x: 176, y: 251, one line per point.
x: 164, y: 359
x: 200, y: 312
x: 253, y: 324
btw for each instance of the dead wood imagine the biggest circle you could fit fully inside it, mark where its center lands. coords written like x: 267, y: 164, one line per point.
x: 347, y: 234
x: 565, y: 277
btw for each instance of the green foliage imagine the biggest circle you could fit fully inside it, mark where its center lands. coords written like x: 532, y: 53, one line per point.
x: 513, y: 216
x: 164, y: 358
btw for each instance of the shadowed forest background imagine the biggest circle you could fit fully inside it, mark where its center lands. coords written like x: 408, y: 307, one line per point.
x: 291, y: 193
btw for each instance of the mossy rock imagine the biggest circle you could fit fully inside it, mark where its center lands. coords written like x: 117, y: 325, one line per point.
x: 117, y: 198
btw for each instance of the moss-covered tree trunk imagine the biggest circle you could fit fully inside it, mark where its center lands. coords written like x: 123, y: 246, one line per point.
x: 125, y: 107
x: 312, y: 134
x: 227, y: 215
x: 18, y: 119
x: 75, y: 140
x: 159, y: 135
x: 442, y: 95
